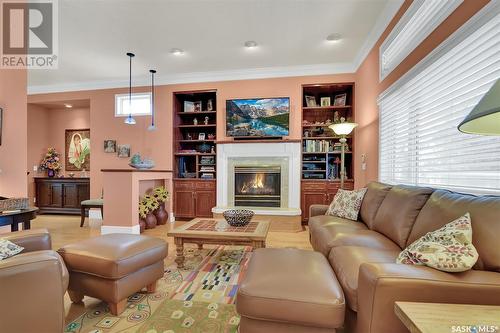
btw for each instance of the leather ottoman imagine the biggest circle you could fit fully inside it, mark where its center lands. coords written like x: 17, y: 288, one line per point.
x: 290, y: 290
x: 113, y: 267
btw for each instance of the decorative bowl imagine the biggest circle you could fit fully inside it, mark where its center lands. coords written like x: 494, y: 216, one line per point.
x: 238, y: 217
x: 144, y: 165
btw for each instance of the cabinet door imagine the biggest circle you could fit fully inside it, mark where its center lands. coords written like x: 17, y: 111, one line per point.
x: 311, y: 198
x: 83, y: 192
x: 184, y: 204
x: 56, y: 195
x: 43, y: 195
x: 205, y: 201
x: 70, y: 196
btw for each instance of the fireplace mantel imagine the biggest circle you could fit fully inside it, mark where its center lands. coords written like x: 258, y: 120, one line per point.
x: 286, y: 152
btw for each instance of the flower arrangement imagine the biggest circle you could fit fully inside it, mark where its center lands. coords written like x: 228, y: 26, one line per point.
x: 161, y: 194
x: 147, y: 205
x: 51, y: 161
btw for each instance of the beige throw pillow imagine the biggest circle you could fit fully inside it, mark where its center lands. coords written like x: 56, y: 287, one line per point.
x: 447, y: 249
x: 346, y: 204
x: 8, y: 249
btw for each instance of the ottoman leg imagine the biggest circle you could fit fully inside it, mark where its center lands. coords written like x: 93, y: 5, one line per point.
x: 75, y: 296
x: 151, y: 288
x: 117, y: 308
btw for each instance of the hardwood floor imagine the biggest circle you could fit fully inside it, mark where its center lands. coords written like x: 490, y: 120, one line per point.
x: 66, y: 230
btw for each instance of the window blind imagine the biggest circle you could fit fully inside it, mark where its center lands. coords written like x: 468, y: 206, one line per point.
x: 419, y: 140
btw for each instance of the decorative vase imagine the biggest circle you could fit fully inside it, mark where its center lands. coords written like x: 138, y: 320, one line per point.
x: 51, y: 173
x: 142, y: 224
x: 150, y: 221
x: 161, y: 214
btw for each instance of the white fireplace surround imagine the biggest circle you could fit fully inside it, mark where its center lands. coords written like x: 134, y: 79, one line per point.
x: 283, y: 154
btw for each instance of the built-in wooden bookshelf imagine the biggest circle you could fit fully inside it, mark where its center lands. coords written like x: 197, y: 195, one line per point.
x: 320, y: 145
x: 195, y: 130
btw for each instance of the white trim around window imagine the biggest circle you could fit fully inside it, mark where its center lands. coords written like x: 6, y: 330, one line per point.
x: 418, y: 22
x: 140, y: 104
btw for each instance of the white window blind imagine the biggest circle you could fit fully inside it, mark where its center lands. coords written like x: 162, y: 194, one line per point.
x: 140, y: 104
x: 419, y: 140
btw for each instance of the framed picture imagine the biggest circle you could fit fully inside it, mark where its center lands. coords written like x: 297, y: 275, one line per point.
x: 77, y: 149
x: 123, y: 151
x: 1, y: 119
x: 340, y: 100
x: 197, y: 106
x: 325, y: 101
x: 110, y: 146
x: 311, y: 101
x: 201, y: 136
x: 188, y: 106
x: 210, y: 105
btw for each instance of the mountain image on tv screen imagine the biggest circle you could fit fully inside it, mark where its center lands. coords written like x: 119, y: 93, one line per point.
x: 258, y: 117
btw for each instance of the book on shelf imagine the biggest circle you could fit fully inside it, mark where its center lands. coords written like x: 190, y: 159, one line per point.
x: 187, y: 151
x: 317, y: 146
x: 207, y: 160
x: 207, y: 176
x: 207, y: 168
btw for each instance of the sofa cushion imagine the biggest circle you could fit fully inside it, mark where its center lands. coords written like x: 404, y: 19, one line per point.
x: 273, y: 291
x: 346, y: 204
x: 323, y: 229
x: 346, y: 261
x: 375, y: 194
x: 398, y: 212
x: 447, y: 249
x: 444, y: 206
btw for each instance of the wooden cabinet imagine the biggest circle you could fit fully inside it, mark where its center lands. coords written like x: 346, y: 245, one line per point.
x: 61, y: 195
x: 194, y: 198
x: 319, y: 193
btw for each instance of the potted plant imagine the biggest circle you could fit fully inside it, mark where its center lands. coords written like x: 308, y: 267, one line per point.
x: 161, y: 195
x: 143, y: 212
x: 51, y: 162
x: 150, y: 205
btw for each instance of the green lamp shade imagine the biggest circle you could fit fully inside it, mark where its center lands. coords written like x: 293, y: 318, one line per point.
x: 484, y: 119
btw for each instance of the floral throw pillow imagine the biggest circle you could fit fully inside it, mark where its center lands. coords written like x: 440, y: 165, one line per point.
x: 346, y: 204
x: 448, y: 249
x: 8, y: 249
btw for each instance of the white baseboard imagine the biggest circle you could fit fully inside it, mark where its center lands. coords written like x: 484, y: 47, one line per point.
x: 114, y: 229
x: 95, y: 213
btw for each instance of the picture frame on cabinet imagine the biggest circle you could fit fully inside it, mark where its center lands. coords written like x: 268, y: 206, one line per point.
x: 201, y: 136
x: 188, y: 106
x: 311, y: 101
x: 340, y: 100
x: 197, y: 106
x: 325, y: 101
x: 210, y: 105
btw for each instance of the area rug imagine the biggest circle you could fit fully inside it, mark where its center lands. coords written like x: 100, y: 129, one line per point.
x: 198, y: 298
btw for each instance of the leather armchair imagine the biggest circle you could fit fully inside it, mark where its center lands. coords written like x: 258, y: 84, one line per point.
x: 32, y: 285
x: 381, y: 284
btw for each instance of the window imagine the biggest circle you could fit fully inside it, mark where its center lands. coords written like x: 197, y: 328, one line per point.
x: 418, y: 22
x: 140, y: 104
x: 419, y: 140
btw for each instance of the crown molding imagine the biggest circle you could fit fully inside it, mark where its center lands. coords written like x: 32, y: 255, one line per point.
x: 199, y: 77
x: 390, y: 9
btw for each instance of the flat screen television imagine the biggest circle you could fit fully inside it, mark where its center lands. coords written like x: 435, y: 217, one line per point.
x: 258, y: 117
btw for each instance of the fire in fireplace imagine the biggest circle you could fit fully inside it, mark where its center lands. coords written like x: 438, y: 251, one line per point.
x: 257, y: 186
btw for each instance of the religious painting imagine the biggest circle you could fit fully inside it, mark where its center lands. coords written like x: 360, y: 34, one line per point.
x: 77, y: 149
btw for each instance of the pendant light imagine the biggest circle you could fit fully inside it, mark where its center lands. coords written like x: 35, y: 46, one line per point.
x: 129, y: 120
x: 152, y: 127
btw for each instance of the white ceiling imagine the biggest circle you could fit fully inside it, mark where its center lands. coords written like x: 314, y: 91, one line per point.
x: 94, y: 36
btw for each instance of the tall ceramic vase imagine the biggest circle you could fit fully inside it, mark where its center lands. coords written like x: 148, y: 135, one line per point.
x: 51, y: 173
x: 142, y: 225
x: 150, y: 221
x: 161, y: 214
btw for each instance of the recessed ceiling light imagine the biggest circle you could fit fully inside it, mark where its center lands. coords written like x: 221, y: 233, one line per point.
x: 177, y: 51
x: 250, y: 44
x: 334, y: 37
x: 69, y: 106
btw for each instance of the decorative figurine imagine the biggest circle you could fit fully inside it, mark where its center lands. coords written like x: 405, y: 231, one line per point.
x: 206, y: 120
x: 189, y: 137
x: 336, y: 117
x: 211, y: 136
x: 195, y: 121
x: 210, y: 106
x: 212, y: 150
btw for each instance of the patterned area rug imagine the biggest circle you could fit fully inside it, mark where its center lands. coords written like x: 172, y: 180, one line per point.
x: 198, y: 298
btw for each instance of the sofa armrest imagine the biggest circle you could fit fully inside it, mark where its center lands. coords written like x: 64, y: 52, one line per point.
x: 381, y: 285
x: 315, y: 210
x: 31, y: 240
x: 34, y: 282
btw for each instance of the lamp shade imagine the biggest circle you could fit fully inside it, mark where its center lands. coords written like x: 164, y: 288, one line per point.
x: 343, y: 128
x: 485, y: 117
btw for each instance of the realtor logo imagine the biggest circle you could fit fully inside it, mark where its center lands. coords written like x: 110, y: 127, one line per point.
x: 29, y: 34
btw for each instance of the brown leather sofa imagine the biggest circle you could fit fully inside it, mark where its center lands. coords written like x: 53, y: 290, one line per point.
x: 32, y: 285
x: 363, y: 253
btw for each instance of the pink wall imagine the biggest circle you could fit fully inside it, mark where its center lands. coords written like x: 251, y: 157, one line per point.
x: 13, y: 151
x: 158, y: 144
x: 368, y: 87
x: 46, y: 128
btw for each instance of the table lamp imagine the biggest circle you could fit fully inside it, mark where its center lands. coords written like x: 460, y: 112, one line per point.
x: 343, y: 129
x: 484, y: 118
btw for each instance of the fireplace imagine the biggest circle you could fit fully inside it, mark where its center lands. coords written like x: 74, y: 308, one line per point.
x: 257, y: 186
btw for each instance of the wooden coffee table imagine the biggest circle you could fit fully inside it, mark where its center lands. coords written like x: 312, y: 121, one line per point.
x: 213, y: 231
